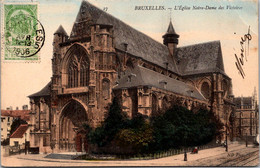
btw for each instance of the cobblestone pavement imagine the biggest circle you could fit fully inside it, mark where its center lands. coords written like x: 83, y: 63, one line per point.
x: 238, y: 155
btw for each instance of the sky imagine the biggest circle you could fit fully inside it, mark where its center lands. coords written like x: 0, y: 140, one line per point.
x: 18, y: 80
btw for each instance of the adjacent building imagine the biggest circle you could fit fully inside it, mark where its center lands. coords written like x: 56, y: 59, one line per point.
x: 104, y: 58
x: 246, y: 117
x: 7, y: 117
x: 20, y: 136
x: 6, y: 122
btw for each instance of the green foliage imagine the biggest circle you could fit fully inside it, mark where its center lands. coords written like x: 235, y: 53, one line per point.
x: 138, y: 136
x: 114, y: 121
x: 163, y: 134
x: 97, y: 136
x: 177, y: 127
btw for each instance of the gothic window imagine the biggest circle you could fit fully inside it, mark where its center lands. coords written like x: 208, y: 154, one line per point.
x: 205, y: 90
x: 84, y: 72
x: 154, y: 105
x: 225, y: 88
x: 78, y: 70
x: 164, y: 103
x: 106, y: 88
x: 140, y: 98
x: 101, y: 60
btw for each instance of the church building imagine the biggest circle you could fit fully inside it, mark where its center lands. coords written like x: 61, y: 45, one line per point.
x: 105, y: 58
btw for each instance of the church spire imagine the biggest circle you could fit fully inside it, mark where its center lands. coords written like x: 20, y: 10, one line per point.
x: 61, y: 31
x: 171, y: 29
x: 170, y: 38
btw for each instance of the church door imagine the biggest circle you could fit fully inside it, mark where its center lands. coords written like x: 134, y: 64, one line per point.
x: 78, y: 142
x: 72, y: 122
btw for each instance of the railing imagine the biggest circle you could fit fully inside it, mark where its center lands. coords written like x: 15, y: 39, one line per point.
x: 12, y: 150
x: 156, y: 155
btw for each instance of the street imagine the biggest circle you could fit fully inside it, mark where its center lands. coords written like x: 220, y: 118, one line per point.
x: 238, y: 155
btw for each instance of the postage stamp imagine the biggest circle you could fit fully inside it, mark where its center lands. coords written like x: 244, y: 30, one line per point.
x: 23, y: 33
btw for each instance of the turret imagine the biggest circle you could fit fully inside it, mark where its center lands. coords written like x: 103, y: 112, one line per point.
x: 170, y: 39
x: 60, y: 36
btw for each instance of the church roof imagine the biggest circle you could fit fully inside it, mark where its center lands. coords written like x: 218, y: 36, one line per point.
x: 23, y: 114
x: 44, y: 92
x: 140, y: 76
x: 138, y: 44
x: 200, y: 58
x: 194, y: 59
x: 61, y: 30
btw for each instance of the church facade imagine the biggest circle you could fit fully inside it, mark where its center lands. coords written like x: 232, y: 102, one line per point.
x: 104, y: 58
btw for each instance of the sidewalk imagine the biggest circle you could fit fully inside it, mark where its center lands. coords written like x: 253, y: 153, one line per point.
x: 176, y: 160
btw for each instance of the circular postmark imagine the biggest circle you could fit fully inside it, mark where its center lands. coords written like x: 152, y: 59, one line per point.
x: 24, y: 34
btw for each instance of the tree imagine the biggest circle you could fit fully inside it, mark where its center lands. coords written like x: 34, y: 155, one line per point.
x: 138, y: 134
x: 179, y: 126
x: 113, y: 122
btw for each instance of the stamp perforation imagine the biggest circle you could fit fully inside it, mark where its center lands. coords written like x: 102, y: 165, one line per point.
x: 3, y: 38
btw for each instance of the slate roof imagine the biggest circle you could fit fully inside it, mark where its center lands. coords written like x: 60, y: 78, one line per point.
x: 61, y: 30
x: 46, y: 91
x: 20, y: 131
x: 23, y: 114
x: 138, y: 44
x: 200, y: 58
x: 141, y: 76
x: 170, y: 29
x: 193, y: 59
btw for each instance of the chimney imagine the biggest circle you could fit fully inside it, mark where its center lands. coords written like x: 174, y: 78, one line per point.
x: 25, y: 107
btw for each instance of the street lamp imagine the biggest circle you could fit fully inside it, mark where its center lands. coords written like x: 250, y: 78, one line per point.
x: 185, y: 152
x: 25, y: 149
x: 226, y: 141
x: 226, y: 132
x: 246, y: 139
x: 185, y: 156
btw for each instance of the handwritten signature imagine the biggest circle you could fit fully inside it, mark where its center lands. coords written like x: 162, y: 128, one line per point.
x: 244, y: 53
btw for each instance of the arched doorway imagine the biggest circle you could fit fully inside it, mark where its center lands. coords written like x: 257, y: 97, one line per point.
x: 71, y: 133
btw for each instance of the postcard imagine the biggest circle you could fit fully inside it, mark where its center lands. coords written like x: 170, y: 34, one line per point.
x: 129, y: 83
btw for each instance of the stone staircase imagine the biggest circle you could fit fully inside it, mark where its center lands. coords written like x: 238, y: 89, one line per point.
x: 65, y: 156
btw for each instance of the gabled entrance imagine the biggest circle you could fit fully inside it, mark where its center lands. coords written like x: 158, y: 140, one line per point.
x: 71, y: 132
